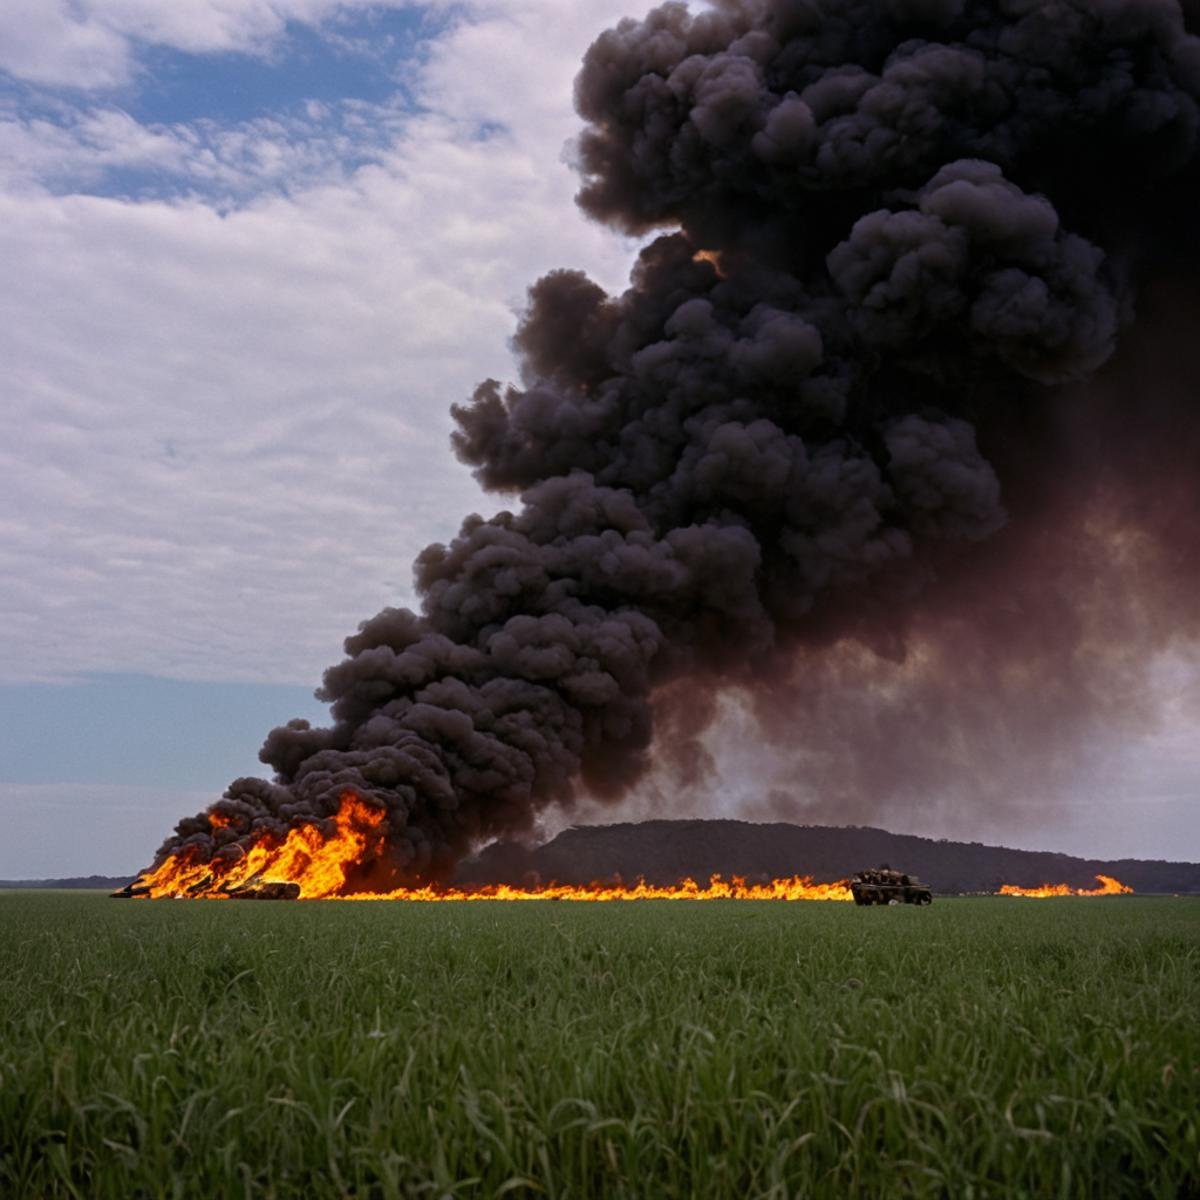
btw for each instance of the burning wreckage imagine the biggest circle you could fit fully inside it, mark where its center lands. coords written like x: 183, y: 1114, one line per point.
x: 892, y: 432
x: 254, y: 888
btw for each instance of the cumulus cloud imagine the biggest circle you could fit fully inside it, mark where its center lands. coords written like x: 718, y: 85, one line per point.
x: 53, y: 43
x: 228, y: 419
x: 82, y: 146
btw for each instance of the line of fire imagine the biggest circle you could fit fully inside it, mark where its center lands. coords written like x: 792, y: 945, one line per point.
x: 320, y: 862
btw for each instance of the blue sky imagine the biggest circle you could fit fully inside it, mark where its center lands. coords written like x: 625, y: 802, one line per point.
x: 141, y: 731
x: 95, y: 772
x: 319, y: 85
x: 368, y: 57
x: 364, y: 56
x: 254, y: 250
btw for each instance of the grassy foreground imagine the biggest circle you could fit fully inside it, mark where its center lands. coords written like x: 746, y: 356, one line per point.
x: 729, y: 1049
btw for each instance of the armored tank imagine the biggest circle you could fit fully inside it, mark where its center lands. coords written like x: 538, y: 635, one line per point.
x: 885, y: 886
x: 270, y: 889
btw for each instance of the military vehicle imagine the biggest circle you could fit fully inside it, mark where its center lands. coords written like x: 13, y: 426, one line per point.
x: 885, y: 886
x: 255, y: 888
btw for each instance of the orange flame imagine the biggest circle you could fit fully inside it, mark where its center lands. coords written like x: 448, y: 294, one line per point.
x: 713, y: 258
x: 320, y: 863
x: 1108, y: 887
x: 718, y: 888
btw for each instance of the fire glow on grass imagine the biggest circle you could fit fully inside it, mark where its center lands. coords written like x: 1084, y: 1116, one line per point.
x: 323, y: 865
x: 1108, y: 887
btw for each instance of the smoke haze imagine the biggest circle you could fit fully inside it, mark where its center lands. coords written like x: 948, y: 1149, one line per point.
x: 894, y: 434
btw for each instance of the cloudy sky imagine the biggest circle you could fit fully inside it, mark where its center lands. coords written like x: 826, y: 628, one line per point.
x: 254, y: 249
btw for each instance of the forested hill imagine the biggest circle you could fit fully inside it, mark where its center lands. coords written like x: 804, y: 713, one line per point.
x: 666, y: 851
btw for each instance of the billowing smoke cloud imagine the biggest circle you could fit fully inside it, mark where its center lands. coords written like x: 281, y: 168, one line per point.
x: 837, y: 427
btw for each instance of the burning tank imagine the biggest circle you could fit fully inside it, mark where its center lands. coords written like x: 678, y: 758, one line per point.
x: 885, y: 886
x: 255, y: 888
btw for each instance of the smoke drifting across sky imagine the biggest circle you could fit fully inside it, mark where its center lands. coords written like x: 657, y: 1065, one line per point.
x: 842, y: 445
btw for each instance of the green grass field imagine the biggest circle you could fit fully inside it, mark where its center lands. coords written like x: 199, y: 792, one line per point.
x: 976, y: 1048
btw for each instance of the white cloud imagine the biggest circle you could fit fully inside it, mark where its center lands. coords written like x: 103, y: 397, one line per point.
x: 225, y: 408
x: 83, y: 147
x: 226, y: 426
x: 92, y: 43
x: 50, y: 42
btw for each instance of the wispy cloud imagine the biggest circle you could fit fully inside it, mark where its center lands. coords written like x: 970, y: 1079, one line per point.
x: 108, y: 150
x: 227, y: 400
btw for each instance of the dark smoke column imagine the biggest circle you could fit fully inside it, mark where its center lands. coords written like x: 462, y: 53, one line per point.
x: 889, y: 229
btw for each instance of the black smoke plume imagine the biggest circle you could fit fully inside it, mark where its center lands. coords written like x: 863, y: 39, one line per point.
x: 836, y: 441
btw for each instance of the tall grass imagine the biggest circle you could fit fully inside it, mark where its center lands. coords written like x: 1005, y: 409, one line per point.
x: 978, y: 1048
